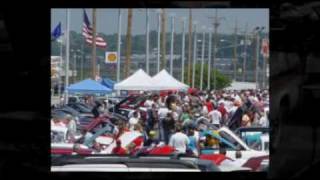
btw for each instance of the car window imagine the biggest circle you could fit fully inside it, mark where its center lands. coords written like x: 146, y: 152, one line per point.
x: 231, y: 140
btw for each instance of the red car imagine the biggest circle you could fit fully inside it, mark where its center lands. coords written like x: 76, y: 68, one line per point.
x: 69, y: 149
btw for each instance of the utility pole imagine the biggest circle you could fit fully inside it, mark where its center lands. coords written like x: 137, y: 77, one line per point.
x: 216, y: 23
x: 245, y: 54
x: 163, y: 39
x: 94, y: 73
x: 235, y: 52
x: 147, y: 41
x: 98, y: 70
x: 128, y: 42
x: 189, y: 46
x: 257, y: 33
x: 119, y: 46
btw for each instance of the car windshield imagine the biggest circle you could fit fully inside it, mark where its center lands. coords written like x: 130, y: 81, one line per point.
x: 253, y: 139
x: 231, y: 140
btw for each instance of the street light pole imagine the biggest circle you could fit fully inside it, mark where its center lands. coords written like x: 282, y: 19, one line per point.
x: 245, y: 54
x: 194, y: 54
x: 257, y: 60
x: 171, y: 47
x: 74, y: 66
x: 235, y: 53
x: 209, y: 59
x: 202, y: 57
x: 147, y: 41
x: 183, y: 49
x: 159, y: 33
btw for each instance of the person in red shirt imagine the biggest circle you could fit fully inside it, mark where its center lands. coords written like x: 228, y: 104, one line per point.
x: 222, y: 109
x: 209, y: 105
x: 118, y: 149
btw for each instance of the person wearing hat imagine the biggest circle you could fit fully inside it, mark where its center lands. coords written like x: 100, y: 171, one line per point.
x: 119, y: 150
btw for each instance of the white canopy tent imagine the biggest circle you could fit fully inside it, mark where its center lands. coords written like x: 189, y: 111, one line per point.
x: 241, y: 86
x: 164, y: 81
x: 137, y: 81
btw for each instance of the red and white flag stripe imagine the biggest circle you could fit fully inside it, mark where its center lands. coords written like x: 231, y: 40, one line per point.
x: 87, y: 33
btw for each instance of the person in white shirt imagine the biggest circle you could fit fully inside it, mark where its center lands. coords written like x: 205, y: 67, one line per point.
x: 179, y: 140
x: 186, y: 99
x: 204, y: 110
x: 148, y: 103
x: 162, y: 112
x: 215, y: 117
x: 133, y: 121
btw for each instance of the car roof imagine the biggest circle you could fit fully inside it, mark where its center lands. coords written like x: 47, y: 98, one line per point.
x: 131, y: 162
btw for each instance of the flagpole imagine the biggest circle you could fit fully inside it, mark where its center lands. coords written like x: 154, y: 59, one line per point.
x: 60, y: 68
x: 171, y: 47
x: 147, y: 41
x: 82, y: 54
x: 202, y: 57
x: 119, y: 46
x: 194, y: 54
x: 94, y: 73
x: 67, y: 58
x: 159, y: 33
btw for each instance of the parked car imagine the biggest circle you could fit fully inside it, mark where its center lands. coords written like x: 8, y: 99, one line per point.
x: 80, y: 107
x: 232, y: 143
x: 255, y: 137
x: 111, y: 163
x: 126, y: 106
x: 69, y: 149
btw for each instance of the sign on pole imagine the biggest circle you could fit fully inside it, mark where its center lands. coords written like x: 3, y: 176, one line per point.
x: 111, y: 57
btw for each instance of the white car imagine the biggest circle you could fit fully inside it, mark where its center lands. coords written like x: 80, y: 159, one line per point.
x: 246, y: 151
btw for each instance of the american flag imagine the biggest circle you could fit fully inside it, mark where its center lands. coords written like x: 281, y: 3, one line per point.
x: 87, y: 33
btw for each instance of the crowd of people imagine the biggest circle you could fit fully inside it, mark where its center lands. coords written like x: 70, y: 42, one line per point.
x: 172, y: 118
